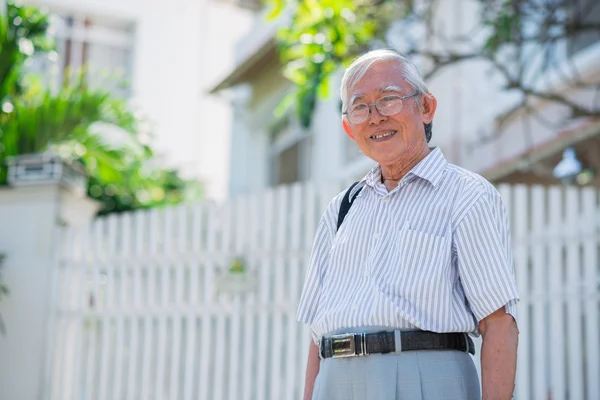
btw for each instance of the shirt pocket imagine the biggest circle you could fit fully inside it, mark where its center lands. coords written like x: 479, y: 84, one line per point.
x: 423, y: 263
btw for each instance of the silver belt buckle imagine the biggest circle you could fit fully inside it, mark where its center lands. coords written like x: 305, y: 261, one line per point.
x: 345, y: 345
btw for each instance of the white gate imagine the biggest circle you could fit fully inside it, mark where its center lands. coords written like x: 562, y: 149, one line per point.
x: 199, y: 302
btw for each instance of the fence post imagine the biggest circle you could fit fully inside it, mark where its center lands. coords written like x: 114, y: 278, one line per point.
x: 30, y: 218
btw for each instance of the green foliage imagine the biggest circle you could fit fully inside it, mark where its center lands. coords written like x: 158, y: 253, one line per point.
x: 79, y: 123
x: 323, y: 35
x: 23, y: 32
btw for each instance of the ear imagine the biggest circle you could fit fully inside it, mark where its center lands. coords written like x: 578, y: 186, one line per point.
x: 347, y: 129
x: 429, y: 107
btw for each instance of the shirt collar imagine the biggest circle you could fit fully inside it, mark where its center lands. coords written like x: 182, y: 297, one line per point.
x: 430, y: 168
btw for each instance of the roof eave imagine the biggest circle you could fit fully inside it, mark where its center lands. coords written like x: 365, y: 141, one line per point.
x: 243, y: 71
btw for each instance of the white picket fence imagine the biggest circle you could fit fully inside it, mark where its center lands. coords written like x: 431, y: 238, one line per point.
x: 141, y: 312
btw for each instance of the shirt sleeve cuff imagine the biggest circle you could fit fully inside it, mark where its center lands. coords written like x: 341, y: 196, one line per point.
x: 314, y: 336
x: 511, y: 308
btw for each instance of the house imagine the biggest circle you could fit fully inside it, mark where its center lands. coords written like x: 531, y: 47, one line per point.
x: 267, y: 150
x: 166, y: 53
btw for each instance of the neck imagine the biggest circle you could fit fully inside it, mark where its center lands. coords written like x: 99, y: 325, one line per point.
x: 391, y: 174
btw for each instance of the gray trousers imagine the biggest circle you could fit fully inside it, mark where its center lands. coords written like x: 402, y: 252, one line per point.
x: 414, y: 375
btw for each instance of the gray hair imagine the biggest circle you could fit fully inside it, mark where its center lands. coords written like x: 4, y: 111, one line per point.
x: 361, y: 65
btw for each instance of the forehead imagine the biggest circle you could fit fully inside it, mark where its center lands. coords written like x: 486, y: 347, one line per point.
x: 379, y: 77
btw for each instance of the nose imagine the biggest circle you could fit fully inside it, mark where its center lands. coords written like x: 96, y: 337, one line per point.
x: 375, y: 117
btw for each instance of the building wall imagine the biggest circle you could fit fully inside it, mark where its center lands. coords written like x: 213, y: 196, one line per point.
x: 180, y: 47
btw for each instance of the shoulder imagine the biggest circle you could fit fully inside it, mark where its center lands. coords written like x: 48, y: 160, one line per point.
x: 471, y: 185
x: 474, y: 192
x: 330, y: 216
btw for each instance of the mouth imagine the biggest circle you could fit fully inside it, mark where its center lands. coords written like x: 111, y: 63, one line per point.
x: 381, y: 136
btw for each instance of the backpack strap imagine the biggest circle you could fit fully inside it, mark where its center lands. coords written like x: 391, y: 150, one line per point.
x: 346, y: 204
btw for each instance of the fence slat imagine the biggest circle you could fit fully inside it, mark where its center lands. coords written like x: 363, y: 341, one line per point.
x: 538, y: 285
x: 178, y: 254
x: 293, y: 341
x: 219, y: 389
x: 251, y: 359
x: 573, y: 285
x: 151, y: 302
x: 134, y: 364
x: 107, y: 350
x: 236, y: 226
x: 556, y: 296
x: 310, y: 220
x: 207, y: 347
x: 591, y: 241
x: 520, y: 207
x: 167, y: 231
x: 277, y: 289
x: 190, y: 349
x: 263, y: 333
x: 121, y: 303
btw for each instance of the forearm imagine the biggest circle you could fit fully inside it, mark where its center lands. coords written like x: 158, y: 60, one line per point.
x: 312, y: 370
x: 499, y: 359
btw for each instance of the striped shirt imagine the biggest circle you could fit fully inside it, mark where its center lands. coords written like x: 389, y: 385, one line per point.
x: 432, y: 254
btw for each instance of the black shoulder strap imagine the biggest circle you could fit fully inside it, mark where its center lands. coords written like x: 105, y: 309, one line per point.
x: 346, y: 204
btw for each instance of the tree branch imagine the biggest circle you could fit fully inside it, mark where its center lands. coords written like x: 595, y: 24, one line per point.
x: 576, y: 109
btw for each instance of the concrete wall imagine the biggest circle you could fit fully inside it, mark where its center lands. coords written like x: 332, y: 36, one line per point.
x: 30, y: 218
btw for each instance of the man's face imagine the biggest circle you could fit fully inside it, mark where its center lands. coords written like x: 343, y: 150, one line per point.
x: 404, y: 131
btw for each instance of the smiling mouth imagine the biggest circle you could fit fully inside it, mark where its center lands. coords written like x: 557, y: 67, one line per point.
x: 383, y: 135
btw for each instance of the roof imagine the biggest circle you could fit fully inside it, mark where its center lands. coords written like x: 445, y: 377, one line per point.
x: 250, y: 66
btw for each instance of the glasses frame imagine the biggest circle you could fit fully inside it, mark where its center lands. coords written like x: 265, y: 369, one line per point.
x: 379, y: 111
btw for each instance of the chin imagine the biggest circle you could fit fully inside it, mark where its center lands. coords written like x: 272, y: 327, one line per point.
x: 388, y: 156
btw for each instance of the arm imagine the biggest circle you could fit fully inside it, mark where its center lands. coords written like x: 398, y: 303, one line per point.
x: 498, y: 355
x: 484, y: 260
x: 312, y: 370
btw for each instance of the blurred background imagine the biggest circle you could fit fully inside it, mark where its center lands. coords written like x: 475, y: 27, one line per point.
x: 163, y: 166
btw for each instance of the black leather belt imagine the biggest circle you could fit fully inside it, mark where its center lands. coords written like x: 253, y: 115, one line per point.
x: 353, y: 344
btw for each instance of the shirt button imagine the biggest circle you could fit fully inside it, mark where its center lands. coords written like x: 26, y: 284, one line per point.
x: 376, y: 236
x: 386, y: 199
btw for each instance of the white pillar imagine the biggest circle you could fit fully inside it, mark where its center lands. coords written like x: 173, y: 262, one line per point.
x: 29, y: 217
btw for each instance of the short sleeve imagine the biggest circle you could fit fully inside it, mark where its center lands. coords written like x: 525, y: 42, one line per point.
x: 484, y: 257
x: 311, y: 292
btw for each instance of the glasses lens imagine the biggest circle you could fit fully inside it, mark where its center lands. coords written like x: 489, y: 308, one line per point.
x: 389, y: 105
x: 358, y: 113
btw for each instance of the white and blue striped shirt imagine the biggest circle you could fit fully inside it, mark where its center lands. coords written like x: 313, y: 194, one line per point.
x: 432, y: 254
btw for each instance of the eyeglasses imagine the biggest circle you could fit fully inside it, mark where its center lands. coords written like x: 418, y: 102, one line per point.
x: 387, y: 106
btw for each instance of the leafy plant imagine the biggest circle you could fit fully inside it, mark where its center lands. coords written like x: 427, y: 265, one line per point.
x: 79, y: 123
x: 23, y: 32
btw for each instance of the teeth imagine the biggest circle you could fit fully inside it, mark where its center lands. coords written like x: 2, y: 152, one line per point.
x: 382, y: 135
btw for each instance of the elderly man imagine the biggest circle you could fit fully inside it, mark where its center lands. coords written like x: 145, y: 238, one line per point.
x: 421, y: 261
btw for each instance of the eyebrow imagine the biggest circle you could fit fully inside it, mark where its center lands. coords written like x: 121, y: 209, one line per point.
x: 386, y: 89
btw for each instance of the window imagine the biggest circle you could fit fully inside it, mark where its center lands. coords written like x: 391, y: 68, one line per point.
x: 290, y: 153
x: 104, y: 47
